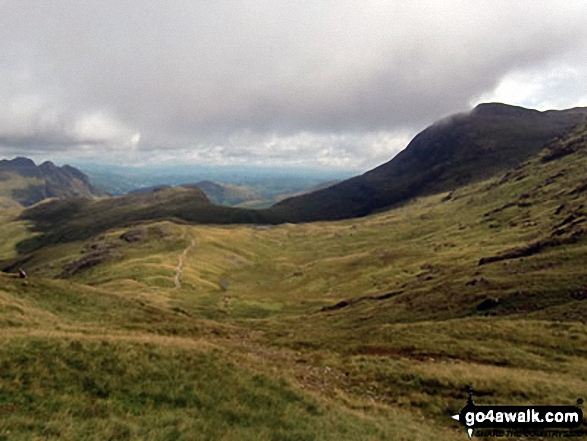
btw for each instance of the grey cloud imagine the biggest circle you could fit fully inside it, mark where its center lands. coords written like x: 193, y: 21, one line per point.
x: 194, y: 76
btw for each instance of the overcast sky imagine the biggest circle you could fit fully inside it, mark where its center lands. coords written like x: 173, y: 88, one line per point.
x: 338, y: 83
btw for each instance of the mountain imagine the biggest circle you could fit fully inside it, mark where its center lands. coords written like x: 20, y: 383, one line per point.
x: 25, y: 183
x: 457, y: 150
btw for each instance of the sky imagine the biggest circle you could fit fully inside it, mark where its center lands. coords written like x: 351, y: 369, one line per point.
x: 341, y: 84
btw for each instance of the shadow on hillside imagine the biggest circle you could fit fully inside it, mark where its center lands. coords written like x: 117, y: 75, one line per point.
x: 62, y: 221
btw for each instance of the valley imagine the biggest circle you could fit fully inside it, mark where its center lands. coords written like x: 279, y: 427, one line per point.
x: 141, y: 321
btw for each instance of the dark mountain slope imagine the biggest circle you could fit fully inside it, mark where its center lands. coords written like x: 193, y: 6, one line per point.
x: 452, y: 152
x: 26, y: 183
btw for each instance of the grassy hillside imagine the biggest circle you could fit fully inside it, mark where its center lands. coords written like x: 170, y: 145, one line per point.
x: 227, y: 194
x: 517, y: 239
x: 359, y: 329
x: 12, y: 184
x: 76, y: 219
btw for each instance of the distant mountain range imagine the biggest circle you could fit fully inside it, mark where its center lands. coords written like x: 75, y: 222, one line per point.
x: 489, y: 140
x: 25, y: 183
x: 452, y: 152
x: 261, y: 186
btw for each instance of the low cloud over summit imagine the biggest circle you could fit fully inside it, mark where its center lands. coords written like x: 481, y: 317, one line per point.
x: 337, y: 83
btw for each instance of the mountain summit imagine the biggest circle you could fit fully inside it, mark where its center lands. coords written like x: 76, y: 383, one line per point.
x: 22, y: 181
x: 454, y: 151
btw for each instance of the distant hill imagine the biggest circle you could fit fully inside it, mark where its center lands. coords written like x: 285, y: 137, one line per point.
x: 241, y: 196
x: 76, y: 219
x: 219, y: 194
x: 25, y: 183
x: 227, y: 194
x: 452, y: 152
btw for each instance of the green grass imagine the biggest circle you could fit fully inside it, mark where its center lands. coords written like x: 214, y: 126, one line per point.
x: 107, y: 389
x: 71, y: 220
x: 12, y: 232
x: 15, y: 187
x: 242, y: 350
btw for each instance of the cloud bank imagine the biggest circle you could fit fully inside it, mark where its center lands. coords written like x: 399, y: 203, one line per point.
x: 333, y: 83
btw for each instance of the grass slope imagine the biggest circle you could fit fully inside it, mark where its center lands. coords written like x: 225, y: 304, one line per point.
x: 360, y: 329
x: 227, y: 194
x: 12, y: 184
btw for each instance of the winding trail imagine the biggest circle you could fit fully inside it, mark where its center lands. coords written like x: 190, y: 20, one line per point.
x: 179, y: 268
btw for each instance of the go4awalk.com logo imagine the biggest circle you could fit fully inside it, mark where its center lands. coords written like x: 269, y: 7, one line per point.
x: 516, y: 421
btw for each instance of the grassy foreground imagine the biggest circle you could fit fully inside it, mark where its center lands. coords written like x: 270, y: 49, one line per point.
x: 354, y: 330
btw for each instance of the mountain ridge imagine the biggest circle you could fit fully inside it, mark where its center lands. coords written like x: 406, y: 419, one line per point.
x: 453, y: 151
x: 27, y: 183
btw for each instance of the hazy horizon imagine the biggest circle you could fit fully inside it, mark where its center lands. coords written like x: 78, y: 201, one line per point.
x: 340, y: 85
